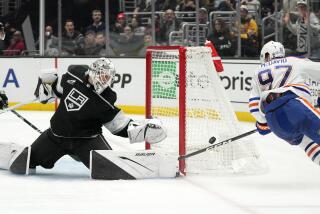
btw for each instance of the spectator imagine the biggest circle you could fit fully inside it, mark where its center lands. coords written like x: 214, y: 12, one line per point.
x: 169, y: 23
x: 222, y: 39
x: 160, y: 5
x: 253, y: 5
x: 203, y: 16
x: 2, y: 33
x: 265, y: 11
x: 9, y: 31
x: 137, y: 28
x: 120, y: 23
x: 49, y: 38
x: 16, y: 45
x: 90, y: 43
x: 300, y: 28
x: 148, y: 29
x: 226, y: 5
x: 210, y: 5
x: 288, y: 5
x: 189, y: 8
x: 97, y: 24
x: 129, y: 43
x: 249, y: 33
x: 147, y: 41
x: 2, y: 37
x: 72, y: 40
x: 127, y: 35
x: 50, y: 42
x: 101, y: 46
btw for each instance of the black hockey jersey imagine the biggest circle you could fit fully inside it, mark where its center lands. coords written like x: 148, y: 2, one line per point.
x: 82, y: 111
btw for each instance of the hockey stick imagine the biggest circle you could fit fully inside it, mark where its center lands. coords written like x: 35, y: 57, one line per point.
x: 26, y: 121
x: 217, y: 144
x: 18, y: 105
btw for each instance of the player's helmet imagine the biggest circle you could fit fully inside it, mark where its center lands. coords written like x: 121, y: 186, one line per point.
x: 101, y: 72
x: 271, y: 50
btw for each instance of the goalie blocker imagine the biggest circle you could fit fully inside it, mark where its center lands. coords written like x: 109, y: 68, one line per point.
x: 112, y: 165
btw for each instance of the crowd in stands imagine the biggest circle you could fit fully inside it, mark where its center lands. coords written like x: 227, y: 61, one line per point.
x: 131, y: 32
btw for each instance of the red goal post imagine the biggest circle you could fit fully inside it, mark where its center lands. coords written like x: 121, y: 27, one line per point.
x: 184, y: 90
x: 182, y: 105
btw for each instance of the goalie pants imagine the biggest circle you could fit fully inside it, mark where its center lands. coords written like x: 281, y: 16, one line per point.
x: 48, y: 148
x: 291, y: 117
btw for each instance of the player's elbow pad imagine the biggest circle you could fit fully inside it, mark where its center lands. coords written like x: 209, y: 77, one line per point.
x: 151, y: 131
x: 263, y: 128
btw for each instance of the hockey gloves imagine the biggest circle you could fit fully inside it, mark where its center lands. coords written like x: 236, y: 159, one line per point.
x: 3, y: 100
x: 263, y: 128
x: 46, y: 94
x: 150, y: 130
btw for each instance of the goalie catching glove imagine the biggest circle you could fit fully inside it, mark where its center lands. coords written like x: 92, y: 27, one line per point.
x: 3, y: 100
x: 150, y: 130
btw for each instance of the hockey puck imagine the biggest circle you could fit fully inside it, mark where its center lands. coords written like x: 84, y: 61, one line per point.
x: 212, y: 140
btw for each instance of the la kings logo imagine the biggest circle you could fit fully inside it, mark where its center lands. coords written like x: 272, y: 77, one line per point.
x: 75, y: 100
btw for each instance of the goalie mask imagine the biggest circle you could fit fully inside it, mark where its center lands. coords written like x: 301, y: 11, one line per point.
x: 101, y: 73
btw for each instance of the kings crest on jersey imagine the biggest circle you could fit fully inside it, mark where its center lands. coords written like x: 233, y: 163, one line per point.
x: 75, y: 100
x: 82, y: 111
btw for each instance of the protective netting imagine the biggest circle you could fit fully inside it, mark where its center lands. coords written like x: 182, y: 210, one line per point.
x: 208, y: 113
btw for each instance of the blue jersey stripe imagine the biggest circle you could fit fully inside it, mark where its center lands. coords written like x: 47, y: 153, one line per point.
x: 254, y: 110
x: 315, y: 155
x: 308, y: 146
x: 302, y: 89
x: 254, y: 98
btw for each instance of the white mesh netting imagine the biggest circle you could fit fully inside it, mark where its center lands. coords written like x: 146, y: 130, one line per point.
x: 208, y: 113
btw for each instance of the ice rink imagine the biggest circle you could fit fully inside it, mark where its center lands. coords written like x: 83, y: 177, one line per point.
x: 291, y: 185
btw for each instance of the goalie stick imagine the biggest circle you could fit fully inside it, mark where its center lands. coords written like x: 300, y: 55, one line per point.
x: 18, y: 105
x: 212, y: 139
x: 26, y: 121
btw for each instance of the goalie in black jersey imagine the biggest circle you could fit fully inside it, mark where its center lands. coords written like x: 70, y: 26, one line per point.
x: 86, y: 104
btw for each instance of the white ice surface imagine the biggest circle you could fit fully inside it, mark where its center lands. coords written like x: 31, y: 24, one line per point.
x: 291, y: 186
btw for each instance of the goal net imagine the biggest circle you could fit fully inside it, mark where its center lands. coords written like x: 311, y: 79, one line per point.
x: 185, y: 92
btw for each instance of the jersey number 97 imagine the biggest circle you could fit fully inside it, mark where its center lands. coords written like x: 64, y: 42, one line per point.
x: 265, y: 77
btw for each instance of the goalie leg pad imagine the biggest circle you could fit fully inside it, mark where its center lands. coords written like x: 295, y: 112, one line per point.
x: 15, y: 158
x: 112, y: 165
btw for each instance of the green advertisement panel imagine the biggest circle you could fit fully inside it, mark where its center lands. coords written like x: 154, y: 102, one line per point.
x: 165, y: 79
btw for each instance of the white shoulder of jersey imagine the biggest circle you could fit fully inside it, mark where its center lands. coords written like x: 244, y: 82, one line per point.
x: 305, y: 65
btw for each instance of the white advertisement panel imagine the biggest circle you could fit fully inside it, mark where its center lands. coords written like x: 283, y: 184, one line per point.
x: 236, y: 79
x: 19, y: 76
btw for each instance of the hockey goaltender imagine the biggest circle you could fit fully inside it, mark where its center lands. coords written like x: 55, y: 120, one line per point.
x: 87, y: 104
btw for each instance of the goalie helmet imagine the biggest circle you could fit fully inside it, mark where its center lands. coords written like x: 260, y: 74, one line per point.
x: 101, y: 73
x: 271, y: 50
